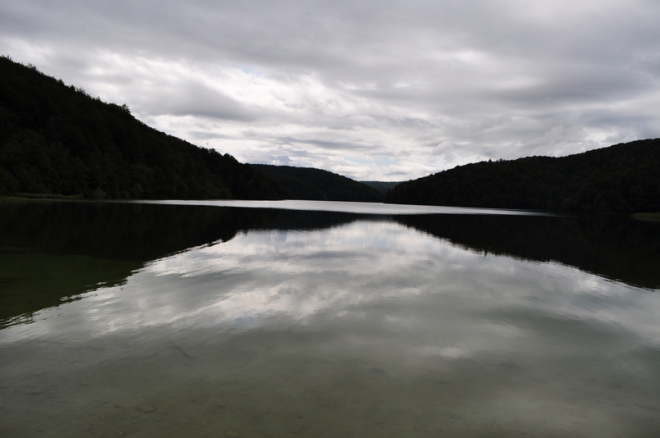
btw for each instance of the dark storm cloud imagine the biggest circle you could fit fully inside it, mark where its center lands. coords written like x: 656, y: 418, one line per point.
x: 430, y: 84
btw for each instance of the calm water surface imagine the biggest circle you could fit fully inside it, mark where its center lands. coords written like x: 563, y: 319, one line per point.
x: 156, y: 320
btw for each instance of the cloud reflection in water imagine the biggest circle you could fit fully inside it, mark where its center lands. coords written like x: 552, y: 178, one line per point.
x: 518, y: 342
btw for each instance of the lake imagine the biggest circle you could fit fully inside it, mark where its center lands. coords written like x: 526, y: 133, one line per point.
x: 311, y: 319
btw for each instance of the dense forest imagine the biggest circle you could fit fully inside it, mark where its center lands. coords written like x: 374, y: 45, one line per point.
x: 56, y: 139
x: 621, y: 178
x: 383, y: 187
x: 321, y: 185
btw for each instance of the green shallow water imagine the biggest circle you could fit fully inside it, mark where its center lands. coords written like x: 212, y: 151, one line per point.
x: 142, y: 320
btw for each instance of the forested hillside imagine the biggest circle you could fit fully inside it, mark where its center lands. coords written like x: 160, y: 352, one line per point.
x: 56, y: 139
x: 382, y: 187
x: 315, y: 184
x: 620, y: 178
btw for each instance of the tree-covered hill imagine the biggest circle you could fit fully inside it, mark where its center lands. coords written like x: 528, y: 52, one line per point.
x: 316, y: 184
x: 620, y: 178
x: 56, y: 139
x: 383, y: 187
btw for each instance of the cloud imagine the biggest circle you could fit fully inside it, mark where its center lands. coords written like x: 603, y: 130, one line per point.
x: 337, y: 85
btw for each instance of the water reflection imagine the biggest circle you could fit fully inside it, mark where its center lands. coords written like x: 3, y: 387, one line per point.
x: 53, y: 252
x: 612, y: 246
x: 359, y: 327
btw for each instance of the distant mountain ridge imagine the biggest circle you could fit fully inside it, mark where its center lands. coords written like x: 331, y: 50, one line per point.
x: 622, y: 178
x: 56, y: 139
x: 318, y: 185
x: 383, y: 187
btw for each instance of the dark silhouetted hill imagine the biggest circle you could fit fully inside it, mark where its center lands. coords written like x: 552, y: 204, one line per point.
x: 622, y: 178
x: 319, y: 185
x: 383, y: 187
x: 56, y: 139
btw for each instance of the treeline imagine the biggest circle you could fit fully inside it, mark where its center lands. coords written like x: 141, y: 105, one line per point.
x: 382, y: 187
x: 56, y: 139
x: 318, y: 185
x: 622, y: 178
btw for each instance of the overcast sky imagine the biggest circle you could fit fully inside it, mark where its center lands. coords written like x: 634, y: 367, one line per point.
x: 371, y: 89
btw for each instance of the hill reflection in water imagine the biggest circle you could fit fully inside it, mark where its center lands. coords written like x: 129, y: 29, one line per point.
x: 52, y: 252
x: 209, y: 321
x: 611, y: 246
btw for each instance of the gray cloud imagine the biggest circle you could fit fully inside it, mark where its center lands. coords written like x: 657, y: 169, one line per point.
x: 426, y: 84
x: 196, y: 100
